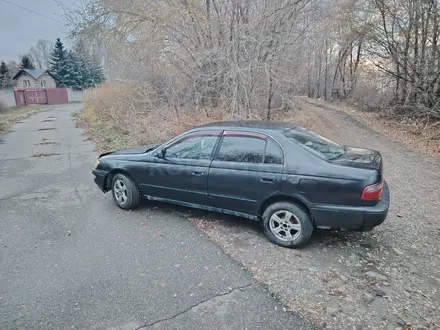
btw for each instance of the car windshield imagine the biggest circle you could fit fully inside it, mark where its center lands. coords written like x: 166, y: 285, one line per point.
x: 315, y: 143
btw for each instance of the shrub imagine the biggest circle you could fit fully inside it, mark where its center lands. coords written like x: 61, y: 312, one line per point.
x: 126, y: 113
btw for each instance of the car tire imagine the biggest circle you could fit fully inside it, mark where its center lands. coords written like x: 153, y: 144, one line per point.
x: 287, y: 224
x: 125, y: 192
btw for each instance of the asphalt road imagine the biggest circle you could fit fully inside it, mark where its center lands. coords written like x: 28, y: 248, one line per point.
x: 69, y: 258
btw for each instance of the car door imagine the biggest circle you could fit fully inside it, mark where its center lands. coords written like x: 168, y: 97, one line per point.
x: 181, y: 174
x: 246, y: 169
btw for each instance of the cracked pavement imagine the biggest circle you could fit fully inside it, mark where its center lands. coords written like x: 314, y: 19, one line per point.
x: 69, y: 258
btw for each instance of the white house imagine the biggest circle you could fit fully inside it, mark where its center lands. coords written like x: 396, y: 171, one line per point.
x: 37, y: 78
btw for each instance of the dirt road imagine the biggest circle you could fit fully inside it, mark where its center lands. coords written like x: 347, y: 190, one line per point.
x: 384, y: 279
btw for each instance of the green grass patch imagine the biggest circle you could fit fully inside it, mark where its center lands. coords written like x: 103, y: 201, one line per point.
x: 10, y: 116
x: 103, y: 134
x: 3, y: 126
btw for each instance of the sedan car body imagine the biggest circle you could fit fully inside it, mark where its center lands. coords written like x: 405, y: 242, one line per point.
x: 290, y: 178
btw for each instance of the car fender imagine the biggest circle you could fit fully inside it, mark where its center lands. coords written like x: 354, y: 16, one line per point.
x: 280, y: 196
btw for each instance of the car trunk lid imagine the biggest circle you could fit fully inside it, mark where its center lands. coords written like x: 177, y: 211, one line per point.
x: 361, y: 158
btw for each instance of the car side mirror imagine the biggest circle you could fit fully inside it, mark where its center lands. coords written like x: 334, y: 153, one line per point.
x: 162, y: 153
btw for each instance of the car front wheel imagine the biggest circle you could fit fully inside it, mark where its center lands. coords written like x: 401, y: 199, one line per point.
x: 287, y: 224
x: 124, y: 191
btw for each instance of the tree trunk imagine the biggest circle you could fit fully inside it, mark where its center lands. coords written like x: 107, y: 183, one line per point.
x: 326, y: 68
x: 269, y: 99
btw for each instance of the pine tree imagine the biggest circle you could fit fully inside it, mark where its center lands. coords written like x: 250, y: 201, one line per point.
x: 26, y: 63
x: 90, y: 72
x: 84, y: 62
x: 4, y: 75
x: 74, y: 71
x: 97, y: 74
x: 58, y: 64
x: 82, y: 70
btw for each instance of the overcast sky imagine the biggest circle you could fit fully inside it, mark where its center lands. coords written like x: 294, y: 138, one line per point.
x: 20, y: 29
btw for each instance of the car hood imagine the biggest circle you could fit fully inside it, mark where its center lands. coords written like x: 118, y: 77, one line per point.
x: 132, y: 151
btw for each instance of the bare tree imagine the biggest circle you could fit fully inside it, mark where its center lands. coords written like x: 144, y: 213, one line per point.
x: 404, y: 46
x: 238, y: 55
x: 40, y: 53
x: 249, y: 58
x: 12, y: 68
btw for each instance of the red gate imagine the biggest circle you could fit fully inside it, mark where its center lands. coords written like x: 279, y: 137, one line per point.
x: 40, y: 96
x: 19, y: 98
x: 33, y: 96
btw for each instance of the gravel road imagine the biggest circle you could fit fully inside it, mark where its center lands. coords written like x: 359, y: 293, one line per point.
x: 385, y: 279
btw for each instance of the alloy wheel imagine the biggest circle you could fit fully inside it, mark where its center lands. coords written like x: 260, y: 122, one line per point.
x: 120, y: 191
x: 285, y: 225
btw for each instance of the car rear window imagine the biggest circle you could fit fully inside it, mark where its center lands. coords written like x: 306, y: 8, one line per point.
x: 315, y: 143
x: 273, y: 153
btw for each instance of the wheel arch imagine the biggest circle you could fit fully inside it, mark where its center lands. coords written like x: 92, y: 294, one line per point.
x: 109, y: 177
x: 284, y: 198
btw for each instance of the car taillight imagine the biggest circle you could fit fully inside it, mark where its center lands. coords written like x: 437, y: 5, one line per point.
x: 372, y: 192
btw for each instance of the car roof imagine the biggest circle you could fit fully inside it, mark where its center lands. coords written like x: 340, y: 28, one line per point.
x: 252, y: 125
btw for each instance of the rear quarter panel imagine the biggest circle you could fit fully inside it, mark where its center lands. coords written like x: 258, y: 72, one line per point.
x: 316, y: 181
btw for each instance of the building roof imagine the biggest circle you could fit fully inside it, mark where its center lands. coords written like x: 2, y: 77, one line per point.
x: 36, y: 73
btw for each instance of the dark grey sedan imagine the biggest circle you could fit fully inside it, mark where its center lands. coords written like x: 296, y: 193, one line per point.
x: 287, y: 177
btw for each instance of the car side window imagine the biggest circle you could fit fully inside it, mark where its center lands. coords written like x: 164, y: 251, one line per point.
x: 273, y: 153
x: 242, y: 149
x: 193, y: 147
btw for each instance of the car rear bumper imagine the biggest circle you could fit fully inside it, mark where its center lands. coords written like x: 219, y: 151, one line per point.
x: 356, y: 218
x: 99, y: 178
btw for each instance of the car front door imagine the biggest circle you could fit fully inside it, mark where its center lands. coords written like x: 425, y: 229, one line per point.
x: 246, y: 170
x: 180, y: 173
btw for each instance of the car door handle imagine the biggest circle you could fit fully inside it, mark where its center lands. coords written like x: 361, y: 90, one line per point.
x: 268, y: 179
x: 198, y: 173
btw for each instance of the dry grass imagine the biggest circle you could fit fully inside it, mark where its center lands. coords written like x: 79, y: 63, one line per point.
x: 9, y: 116
x: 119, y: 116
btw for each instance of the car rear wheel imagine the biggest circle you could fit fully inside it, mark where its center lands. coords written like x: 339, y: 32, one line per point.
x: 124, y: 191
x: 286, y: 224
